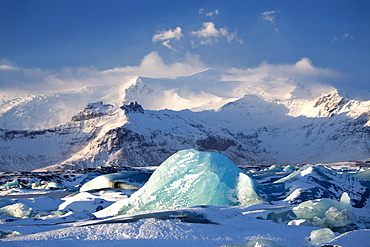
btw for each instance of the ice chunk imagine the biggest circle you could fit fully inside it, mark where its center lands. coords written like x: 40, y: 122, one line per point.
x: 346, y: 200
x: 336, y: 218
x: 321, y: 236
x: 364, y: 175
x: 255, y: 243
x: 54, y: 185
x: 109, y: 181
x: 318, y: 208
x: 9, y: 185
x: 18, y: 210
x: 8, y: 234
x: 47, y: 186
x: 289, y: 168
x: 275, y: 168
x: 306, y: 210
x: 299, y: 223
x: 190, y: 178
x: 326, y: 212
x: 246, y: 190
x: 319, y: 222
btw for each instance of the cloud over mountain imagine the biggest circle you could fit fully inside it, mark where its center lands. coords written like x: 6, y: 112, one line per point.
x: 18, y: 79
x: 284, y: 81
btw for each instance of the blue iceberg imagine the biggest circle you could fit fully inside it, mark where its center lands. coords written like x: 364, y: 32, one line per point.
x: 190, y: 178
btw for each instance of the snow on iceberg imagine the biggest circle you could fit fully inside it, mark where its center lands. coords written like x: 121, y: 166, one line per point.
x: 111, y: 181
x: 190, y: 178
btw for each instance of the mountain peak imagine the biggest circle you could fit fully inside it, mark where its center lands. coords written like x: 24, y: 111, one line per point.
x: 208, y: 74
x: 330, y: 102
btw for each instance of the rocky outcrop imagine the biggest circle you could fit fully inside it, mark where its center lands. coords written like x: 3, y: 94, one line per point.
x: 93, y: 110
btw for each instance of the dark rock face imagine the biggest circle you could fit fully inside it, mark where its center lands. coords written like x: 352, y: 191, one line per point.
x: 133, y: 107
x: 214, y: 143
x: 115, y: 139
x: 93, y: 110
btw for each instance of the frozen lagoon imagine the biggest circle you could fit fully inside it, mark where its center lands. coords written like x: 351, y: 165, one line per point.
x: 183, y: 226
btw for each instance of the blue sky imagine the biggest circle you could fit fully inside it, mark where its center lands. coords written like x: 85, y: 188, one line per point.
x: 54, y: 35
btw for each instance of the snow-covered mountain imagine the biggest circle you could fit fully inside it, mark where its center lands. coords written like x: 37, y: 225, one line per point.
x: 202, y: 111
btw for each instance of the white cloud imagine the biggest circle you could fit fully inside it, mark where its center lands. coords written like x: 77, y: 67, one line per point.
x: 344, y: 36
x: 212, y: 13
x: 6, y: 65
x: 166, y: 44
x: 209, y: 14
x: 269, y: 15
x: 209, y: 34
x: 299, y: 80
x: 208, y: 30
x: 167, y: 35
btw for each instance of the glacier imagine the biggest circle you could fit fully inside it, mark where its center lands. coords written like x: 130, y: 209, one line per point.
x: 190, y: 178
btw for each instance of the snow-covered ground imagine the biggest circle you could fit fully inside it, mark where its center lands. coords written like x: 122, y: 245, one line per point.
x: 77, y: 219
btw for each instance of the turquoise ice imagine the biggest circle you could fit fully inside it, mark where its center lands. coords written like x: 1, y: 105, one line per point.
x: 321, y: 236
x: 190, y: 178
x: 327, y: 212
x: 9, y: 185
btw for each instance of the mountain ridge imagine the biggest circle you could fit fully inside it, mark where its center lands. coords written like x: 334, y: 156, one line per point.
x: 249, y: 129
